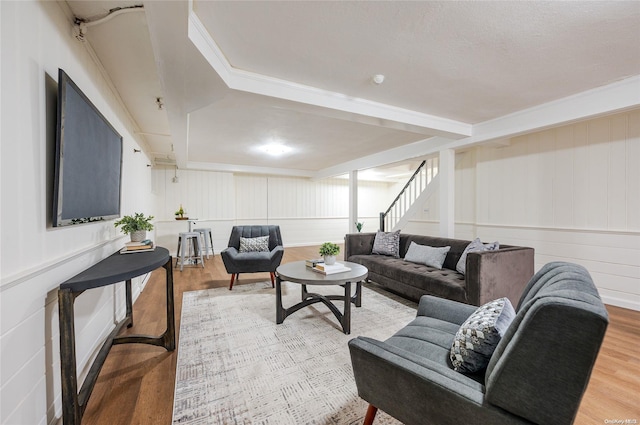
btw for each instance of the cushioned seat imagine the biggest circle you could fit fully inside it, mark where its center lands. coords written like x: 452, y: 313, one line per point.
x: 537, y: 374
x: 237, y: 262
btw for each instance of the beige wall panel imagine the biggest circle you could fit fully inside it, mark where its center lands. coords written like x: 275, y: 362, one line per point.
x: 516, y: 198
x: 612, y: 258
x: 563, y: 176
x: 252, y: 199
x: 617, y: 181
x: 582, y: 195
x: 598, y: 172
x: 633, y: 172
x: 465, y: 201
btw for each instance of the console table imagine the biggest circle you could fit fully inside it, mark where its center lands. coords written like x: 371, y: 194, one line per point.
x: 116, y: 268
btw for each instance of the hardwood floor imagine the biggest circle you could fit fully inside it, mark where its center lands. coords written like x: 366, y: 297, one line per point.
x: 136, y: 384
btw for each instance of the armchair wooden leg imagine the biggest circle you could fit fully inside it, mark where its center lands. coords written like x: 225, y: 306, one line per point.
x: 272, y: 277
x: 233, y: 277
x: 371, y: 414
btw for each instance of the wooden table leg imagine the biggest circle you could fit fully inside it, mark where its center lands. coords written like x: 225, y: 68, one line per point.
x: 129, y: 302
x: 280, y: 312
x: 346, y: 316
x: 71, y: 410
x: 170, y: 334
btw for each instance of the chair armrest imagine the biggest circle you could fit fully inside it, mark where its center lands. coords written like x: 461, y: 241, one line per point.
x: 411, y: 388
x: 229, y: 252
x: 358, y: 244
x: 496, y: 274
x: 276, y: 254
x: 444, y: 309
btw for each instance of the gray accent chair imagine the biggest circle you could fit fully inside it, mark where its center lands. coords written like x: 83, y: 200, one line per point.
x: 537, y: 374
x: 253, y: 262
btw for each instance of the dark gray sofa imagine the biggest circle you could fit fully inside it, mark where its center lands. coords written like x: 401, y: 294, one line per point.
x: 489, y: 274
x: 537, y: 374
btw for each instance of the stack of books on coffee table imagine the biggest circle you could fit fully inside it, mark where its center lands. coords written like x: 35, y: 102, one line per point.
x: 330, y: 269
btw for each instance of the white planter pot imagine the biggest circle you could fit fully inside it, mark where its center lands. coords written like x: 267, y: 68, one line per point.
x: 138, y: 236
x: 329, y: 259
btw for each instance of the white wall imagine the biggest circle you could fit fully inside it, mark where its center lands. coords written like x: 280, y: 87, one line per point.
x: 307, y: 211
x: 572, y: 193
x: 36, y: 258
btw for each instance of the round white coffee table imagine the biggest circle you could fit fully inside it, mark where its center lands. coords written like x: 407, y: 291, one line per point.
x: 298, y: 272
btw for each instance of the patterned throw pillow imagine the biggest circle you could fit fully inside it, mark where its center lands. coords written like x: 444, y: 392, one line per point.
x: 259, y: 244
x: 387, y: 243
x: 479, y: 335
x: 475, y: 246
x: 427, y: 255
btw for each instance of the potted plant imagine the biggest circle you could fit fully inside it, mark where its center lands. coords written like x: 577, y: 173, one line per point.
x: 359, y: 225
x: 329, y: 251
x: 180, y: 214
x: 136, y: 226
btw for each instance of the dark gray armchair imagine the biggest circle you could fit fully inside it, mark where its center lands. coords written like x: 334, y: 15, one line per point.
x: 237, y: 262
x: 537, y: 373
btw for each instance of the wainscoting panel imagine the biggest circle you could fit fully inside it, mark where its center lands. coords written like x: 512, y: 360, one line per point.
x: 581, y: 176
x: 610, y: 257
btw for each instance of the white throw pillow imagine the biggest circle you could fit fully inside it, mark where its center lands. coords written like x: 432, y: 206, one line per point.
x: 427, y: 255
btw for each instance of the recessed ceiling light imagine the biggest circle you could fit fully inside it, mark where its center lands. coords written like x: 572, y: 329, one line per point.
x: 378, y: 79
x: 276, y: 149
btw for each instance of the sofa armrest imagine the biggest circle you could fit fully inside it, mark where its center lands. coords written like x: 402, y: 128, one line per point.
x: 416, y: 390
x: 444, y: 309
x: 358, y: 244
x: 496, y: 274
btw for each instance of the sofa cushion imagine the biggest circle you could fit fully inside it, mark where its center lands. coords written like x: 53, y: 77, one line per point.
x: 443, y: 283
x: 479, y: 335
x: 387, y: 243
x: 259, y: 244
x: 427, y: 255
x: 475, y: 246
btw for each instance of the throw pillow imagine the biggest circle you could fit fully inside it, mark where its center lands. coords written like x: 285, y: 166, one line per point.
x: 475, y: 246
x: 387, y: 243
x: 427, y: 255
x: 259, y: 244
x: 479, y: 335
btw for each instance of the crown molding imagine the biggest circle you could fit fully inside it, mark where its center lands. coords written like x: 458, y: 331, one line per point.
x: 613, y: 98
x: 355, y: 109
x: 248, y: 169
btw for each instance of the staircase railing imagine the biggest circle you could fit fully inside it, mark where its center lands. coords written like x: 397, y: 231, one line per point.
x: 424, y: 174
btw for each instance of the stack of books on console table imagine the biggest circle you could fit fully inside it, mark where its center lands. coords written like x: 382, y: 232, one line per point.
x: 144, y: 246
x: 330, y: 269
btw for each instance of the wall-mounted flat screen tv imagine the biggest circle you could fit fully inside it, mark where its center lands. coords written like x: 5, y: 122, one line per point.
x: 88, y: 169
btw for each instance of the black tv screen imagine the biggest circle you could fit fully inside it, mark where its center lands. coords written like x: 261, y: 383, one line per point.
x: 88, y: 169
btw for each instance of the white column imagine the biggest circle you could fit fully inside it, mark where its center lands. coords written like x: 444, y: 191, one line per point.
x: 353, y: 200
x: 446, y: 174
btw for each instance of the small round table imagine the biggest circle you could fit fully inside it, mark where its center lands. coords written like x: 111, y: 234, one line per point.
x: 298, y: 272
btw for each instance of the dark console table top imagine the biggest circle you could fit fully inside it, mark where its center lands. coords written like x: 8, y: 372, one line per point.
x: 117, y: 268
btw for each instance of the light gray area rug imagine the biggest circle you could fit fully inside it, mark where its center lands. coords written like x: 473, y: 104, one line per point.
x: 236, y: 366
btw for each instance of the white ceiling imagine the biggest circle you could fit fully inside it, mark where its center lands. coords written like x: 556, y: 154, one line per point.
x: 234, y: 74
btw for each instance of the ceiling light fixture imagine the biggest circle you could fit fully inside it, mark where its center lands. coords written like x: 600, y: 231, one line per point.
x: 276, y: 149
x: 378, y: 79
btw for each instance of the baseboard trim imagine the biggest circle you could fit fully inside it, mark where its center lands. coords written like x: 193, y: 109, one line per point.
x: 619, y: 302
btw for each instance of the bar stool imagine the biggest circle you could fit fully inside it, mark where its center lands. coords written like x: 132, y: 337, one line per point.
x: 183, y: 246
x: 205, y: 232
